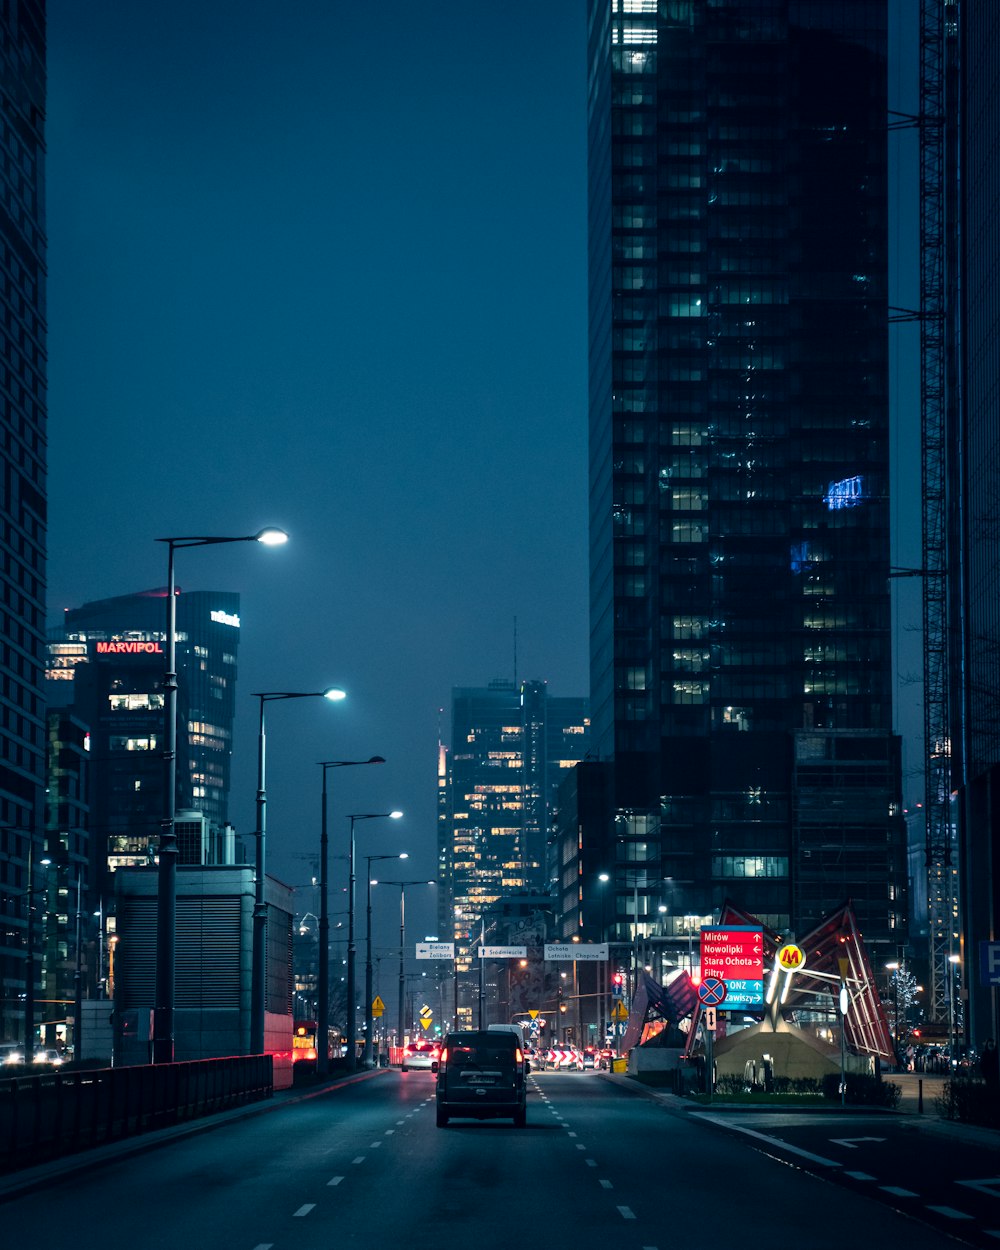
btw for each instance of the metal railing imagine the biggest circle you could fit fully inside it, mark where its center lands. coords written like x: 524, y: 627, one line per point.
x: 47, y: 1115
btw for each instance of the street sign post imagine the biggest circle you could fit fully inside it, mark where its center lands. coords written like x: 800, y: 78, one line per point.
x: 735, y: 954
x: 577, y: 951
x: 378, y: 1008
x: 503, y: 952
x: 435, y: 950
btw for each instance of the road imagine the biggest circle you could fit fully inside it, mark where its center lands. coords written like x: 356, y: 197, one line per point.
x: 364, y: 1162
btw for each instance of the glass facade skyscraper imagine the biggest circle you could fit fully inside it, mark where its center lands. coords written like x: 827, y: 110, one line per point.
x: 740, y: 659
x: 23, y: 506
x: 106, y: 663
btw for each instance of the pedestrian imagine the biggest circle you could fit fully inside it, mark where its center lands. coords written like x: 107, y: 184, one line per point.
x: 989, y: 1064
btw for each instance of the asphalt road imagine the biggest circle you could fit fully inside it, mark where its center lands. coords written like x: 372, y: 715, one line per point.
x: 364, y: 1164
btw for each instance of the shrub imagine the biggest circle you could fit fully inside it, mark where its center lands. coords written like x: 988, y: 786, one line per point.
x: 862, y: 1090
x: 970, y: 1101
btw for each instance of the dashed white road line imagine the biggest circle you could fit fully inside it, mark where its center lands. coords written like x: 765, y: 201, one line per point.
x: 591, y: 1163
x: 304, y: 1209
x: 897, y: 1192
x: 265, y: 1245
x: 605, y: 1184
x: 389, y: 1132
x: 950, y: 1213
x: 859, y: 1176
x: 572, y: 1134
x: 375, y: 1145
x: 626, y: 1213
x: 358, y: 1159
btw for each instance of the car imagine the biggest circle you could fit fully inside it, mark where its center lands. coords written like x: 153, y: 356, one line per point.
x: 11, y: 1053
x: 419, y: 1055
x: 48, y: 1055
x: 481, y: 1075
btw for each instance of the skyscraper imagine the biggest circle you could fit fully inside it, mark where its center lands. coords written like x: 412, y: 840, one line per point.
x: 974, y: 491
x: 498, y: 784
x: 23, y: 508
x: 740, y: 661
x: 106, y: 662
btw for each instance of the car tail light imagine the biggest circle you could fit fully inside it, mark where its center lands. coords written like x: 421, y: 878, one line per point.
x: 444, y: 1056
x: 519, y: 1058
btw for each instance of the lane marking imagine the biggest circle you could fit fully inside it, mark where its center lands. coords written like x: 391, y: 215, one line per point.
x: 859, y: 1176
x: 897, y: 1192
x: 605, y: 1184
x: 579, y: 1147
x: 389, y: 1132
x: 591, y: 1163
x: 992, y: 1232
x: 334, y: 1181
x: 304, y: 1209
x: 359, y: 1159
x: 265, y: 1245
x: 772, y: 1141
x: 989, y: 1185
x: 572, y: 1134
x: 375, y: 1145
x: 626, y: 1213
x: 950, y: 1213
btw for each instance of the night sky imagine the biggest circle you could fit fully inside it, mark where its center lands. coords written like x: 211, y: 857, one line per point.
x: 323, y: 265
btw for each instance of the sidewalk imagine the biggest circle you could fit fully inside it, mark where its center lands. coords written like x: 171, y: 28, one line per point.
x: 912, y: 1085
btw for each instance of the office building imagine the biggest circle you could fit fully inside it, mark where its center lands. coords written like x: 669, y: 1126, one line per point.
x: 974, y: 492
x: 511, y: 744
x: 23, y: 506
x: 739, y: 445
x: 106, y: 663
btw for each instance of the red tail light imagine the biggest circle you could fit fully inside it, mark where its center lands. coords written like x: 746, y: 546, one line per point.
x: 517, y: 1052
x: 444, y: 1056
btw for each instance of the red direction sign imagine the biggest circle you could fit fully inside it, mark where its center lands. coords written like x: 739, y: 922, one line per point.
x: 734, y: 953
x: 712, y: 992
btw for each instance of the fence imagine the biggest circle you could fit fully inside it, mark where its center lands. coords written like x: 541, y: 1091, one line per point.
x: 47, y: 1115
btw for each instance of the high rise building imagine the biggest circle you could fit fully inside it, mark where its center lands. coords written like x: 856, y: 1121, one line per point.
x: 23, y: 508
x: 740, y: 659
x: 497, y: 787
x: 974, y: 491
x: 106, y: 662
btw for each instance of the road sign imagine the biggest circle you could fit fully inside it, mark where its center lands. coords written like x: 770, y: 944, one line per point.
x: 709, y: 1018
x: 577, y: 951
x: 735, y: 954
x: 426, y: 1016
x: 989, y: 963
x: 619, y: 1012
x: 533, y: 1012
x: 712, y: 992
x: 435, y: 950
x: 378, y: 1008
x: 503, y: 952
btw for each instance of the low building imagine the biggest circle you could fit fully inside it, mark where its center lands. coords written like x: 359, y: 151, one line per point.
x: 214, y: 959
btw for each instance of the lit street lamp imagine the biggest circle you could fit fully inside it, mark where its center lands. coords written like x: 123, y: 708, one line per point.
x: 258, y: 975
x: 323, y: 1011
x: 166, y: 886
x: 352, y: 993
x: 369, y: 987
x: 893, y: 967
x: 402, y: 948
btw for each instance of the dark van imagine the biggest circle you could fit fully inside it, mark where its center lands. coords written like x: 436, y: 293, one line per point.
x: 481, y: 1075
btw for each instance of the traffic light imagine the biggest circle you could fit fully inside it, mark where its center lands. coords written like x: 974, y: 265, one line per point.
x: 618, y: 984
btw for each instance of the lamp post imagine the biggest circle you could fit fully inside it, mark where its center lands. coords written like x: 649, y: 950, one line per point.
x: 893, y: 967
x: 352, y: 993
x: 954, y: 960
x: 323, y: 1010
x: 166, y: 888
x: 258, y: 974
x: 369, y: 987
x: 402, y: 949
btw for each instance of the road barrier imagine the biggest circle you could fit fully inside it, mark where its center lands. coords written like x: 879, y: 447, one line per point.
x: 46, y: 1115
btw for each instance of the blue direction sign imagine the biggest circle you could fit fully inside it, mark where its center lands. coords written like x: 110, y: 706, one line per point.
x: 744, y: 994
x: 712, y: 992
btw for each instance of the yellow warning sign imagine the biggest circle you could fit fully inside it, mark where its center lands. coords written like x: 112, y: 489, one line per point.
x: 378, y: 1008
x: 533, y: 1012
x: 619, y: 1012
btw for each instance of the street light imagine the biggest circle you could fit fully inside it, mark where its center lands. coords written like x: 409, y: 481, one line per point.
x: 954, y: 960
x: 369, y: 988
x: 352, y: 993
x: 402, y: 948
x: 258, y: 975
x: 323, y: 1012
x: 166, y: 886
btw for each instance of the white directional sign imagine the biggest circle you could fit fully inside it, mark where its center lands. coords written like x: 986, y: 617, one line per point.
x: 503, y: 952
x: 435, y: 950
x: 596, y: 951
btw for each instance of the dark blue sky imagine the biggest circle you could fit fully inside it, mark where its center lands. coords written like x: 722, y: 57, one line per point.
x: 323, y: 265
